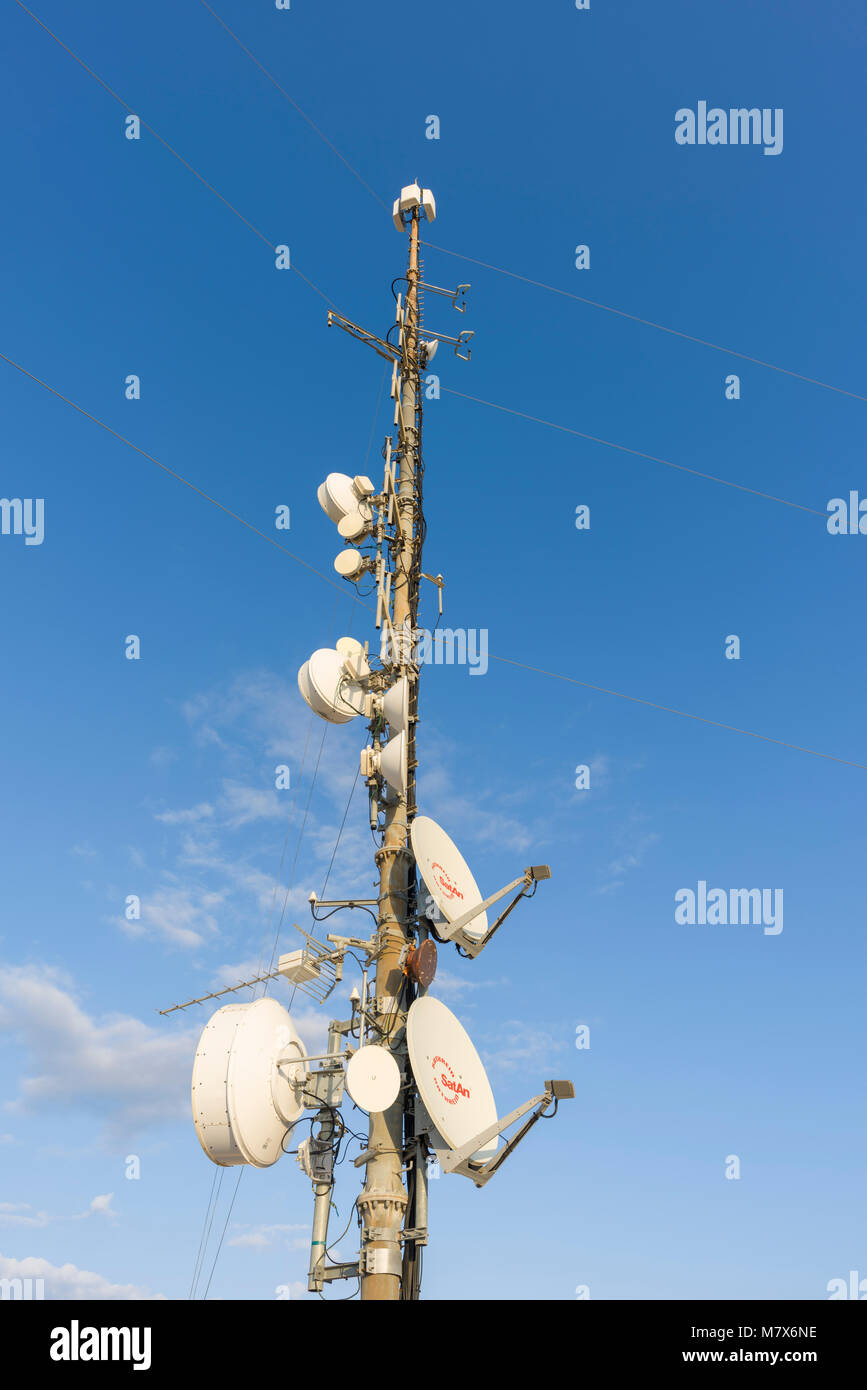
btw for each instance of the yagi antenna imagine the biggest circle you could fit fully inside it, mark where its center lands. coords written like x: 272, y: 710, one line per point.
x: 314, y: 970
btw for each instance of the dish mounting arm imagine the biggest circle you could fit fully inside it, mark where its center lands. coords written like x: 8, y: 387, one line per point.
x: 458, y: 1160
x: 454, y: 931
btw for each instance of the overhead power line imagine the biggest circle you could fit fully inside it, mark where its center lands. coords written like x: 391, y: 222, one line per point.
x: 444, y: 250
x: 602, y: 689
x: 272, y: 79
x: 668, y: 709
x: 637, y: 453
x: 172, y: 474
x: 155, y: 133
x: 648, y: 323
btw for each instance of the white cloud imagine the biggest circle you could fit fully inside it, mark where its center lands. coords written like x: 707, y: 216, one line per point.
x: 264, y: 1237
x: 101, y: 1205
x: 448, y: 986
x: 162, y: 757
x: 518, y: 1044
x: 128, y: 1073
x: 22, y: 1214
x: 180, y: 915
x: 193, y: 813
x: 243, y: 804
x: 67, y: 1281
x: 631, y: 858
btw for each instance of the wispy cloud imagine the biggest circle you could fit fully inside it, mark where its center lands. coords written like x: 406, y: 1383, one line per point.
x: 192, y: 813
x: 520, y: 1044
x: 265, y: 1237
x: 22, y: 1214
x: 183, y: 916
x: 631, y: 858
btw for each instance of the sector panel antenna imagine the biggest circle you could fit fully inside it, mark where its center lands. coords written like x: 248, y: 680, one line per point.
x: 447, y: 876
x: 449, y: 1074
x: 245, y: 1088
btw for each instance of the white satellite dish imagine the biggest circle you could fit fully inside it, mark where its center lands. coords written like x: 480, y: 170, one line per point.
x: 339, y: 495
x: 447, y: 876
x: 373, y: 1078
x: 327, y: 689
x: 247, y: 1082
x: 304, y: 684
x: 450, y: 1076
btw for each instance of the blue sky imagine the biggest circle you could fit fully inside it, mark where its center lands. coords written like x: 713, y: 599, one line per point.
x: 156, y: 777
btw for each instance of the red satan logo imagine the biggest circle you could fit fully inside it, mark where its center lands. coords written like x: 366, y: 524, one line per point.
x: 447, y: 885
x: 444, y: 1080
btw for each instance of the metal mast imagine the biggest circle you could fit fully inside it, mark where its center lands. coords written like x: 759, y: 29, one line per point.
x: 384, y: 1200
x: 252, y: 1078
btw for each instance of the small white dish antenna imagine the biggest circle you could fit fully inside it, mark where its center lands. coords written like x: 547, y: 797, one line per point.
x: 395, y: 706
x: 373, y: 1078
x: 389, y: 762
x: 354, y: 657
x: 352, y: 526
x: 248, y: 1077
x: 349, y: 564
x: 327, y: 689
x: 340, y: 494
x: 450, y: 1076
x: 447, y: 876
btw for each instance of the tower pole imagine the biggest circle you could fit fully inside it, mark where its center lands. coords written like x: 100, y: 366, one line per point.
x: 383, y: 1201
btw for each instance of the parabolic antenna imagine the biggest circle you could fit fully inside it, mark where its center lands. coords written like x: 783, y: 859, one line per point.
x: 244, y: 1095
x: 373, y: 1078
x: 339, y: 495
x: 447, y: 876
x: 352, y: 526
x: 349, y: 563
x: 395, y: 706
x: 449, y: 1074
x: 325, y: 686
x: 353, y: 655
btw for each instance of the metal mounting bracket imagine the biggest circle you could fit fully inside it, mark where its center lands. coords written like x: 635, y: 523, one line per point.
x: 458, y: 1160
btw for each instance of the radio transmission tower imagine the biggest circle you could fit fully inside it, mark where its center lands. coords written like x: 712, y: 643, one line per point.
x: 402, y: 1055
